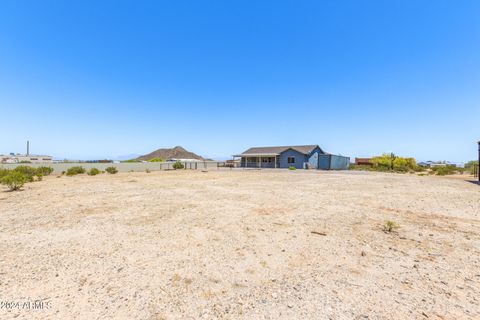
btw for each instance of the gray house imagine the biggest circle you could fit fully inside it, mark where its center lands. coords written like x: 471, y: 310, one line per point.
x: 300, y: 157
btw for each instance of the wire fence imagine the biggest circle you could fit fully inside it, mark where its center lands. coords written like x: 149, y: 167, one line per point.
x: 60, y: 167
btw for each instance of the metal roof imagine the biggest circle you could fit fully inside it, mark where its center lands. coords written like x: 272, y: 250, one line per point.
x: 275, y: 151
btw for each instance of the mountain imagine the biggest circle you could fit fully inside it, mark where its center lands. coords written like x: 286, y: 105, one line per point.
x: 176, y: 153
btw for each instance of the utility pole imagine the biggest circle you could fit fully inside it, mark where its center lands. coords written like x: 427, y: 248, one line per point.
x: 478, y: 165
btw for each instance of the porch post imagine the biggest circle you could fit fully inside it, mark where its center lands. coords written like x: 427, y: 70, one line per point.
x: 275, y: 159
x: 259, y: 162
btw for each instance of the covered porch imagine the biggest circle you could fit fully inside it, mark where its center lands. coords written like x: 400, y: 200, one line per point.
x: 268, y: 160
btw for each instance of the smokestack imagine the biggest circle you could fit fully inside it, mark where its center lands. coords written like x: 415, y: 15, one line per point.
x: 28, y: 148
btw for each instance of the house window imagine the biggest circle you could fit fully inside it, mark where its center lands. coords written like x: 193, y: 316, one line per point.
x: 291, y: 160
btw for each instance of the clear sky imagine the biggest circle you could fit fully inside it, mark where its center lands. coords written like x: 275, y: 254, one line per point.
x: 94, y: 79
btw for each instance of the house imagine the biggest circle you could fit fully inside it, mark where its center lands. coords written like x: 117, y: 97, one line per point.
x: 300, y: 157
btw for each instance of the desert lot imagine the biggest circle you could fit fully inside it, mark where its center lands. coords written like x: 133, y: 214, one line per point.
x: 241, y: 244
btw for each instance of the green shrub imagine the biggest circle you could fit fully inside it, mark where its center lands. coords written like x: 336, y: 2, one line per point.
x: 132, y: 160
x: 111, y: 170
x: 39, y: 176
x: 75, y: 170
x: 178, y: 165
x: 156, y: 160
x: 4, y: 172
x: 292, y: 168
x: 14, y: 180
x: 470, y: 165
x: 93, y: 172
x: 419, y: 169
x: 46, y: 171
x: 390, y: 162
x: 28, y: 172
x: 444, y: 170
x: 390, y: 226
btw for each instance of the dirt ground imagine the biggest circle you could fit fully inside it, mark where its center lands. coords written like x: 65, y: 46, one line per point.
x: 246, y: 244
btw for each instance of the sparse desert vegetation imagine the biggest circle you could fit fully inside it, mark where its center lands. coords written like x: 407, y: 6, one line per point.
x: 93, y: 172
x: 243, y: 244
x: 15, y: 179
x: 178, y: 165
x: 111, y: 170
x: 73, y: 171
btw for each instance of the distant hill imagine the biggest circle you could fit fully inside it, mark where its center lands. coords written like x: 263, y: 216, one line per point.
x: 177, y: 153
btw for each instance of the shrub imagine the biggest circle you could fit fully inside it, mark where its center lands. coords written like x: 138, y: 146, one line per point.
x: 39, y: 176
x: 470, y: 165
x: 178, y: 165
x: 111, y: 170
x: 93, y: 172
x: 75, y: 170
x: 390, y: 226
x: 4, y: 172
x: 132, y: 160
x: 147, y: 170
x: 28, y: 172
x: 156, y: 160
x: 390, y: 162
x: 292, y: 168
x: 14, y: 180
x: 46, y: 171
x: 444, y: 170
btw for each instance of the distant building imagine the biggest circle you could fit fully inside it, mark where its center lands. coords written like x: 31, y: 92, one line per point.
x: 300, y: 157
x: 183, y: 160
x: 22, y: 158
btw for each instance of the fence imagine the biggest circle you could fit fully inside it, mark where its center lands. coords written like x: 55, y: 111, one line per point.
x: 122, y: 167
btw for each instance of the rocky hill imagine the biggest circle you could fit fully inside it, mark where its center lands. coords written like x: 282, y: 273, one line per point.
x: 177, y: 153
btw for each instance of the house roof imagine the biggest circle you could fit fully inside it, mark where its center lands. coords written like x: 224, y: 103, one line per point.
x: 275, y: 151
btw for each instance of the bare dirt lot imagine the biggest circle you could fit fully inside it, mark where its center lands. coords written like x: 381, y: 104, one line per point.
x: 241, y: 245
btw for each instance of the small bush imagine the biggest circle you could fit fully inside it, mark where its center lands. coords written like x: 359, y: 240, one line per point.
x: 292, y: 168
x: 156, y: 160
x: 4, y: 172
x: 111, y: 170
x: 75, y: 170
x: 39, y: 176
x: 93, y: 172
x: 46, y: 171
x: 14, y: 180
x: 178, y: 165
x: 28, y: 172
x: 390, y: 226
x: 147, y: 170
x: 444, y: 170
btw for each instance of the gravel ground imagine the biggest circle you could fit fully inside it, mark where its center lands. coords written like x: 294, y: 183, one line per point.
x: 241, y: 244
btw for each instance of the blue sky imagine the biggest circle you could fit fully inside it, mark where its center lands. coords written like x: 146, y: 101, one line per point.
x: 96, y: 79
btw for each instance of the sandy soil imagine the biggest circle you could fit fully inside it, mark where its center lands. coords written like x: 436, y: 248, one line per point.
x: 241, y: 245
